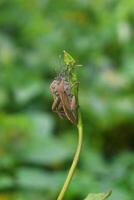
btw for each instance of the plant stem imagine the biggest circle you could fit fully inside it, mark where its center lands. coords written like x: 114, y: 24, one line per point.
x: 75, y: 160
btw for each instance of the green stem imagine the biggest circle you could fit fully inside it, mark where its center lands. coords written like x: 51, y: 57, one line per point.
x: 75, y: 160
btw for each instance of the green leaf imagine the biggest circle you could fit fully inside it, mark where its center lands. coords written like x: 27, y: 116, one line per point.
x: 68, y: 59
x: 99, y: 196
x: 29, y: 178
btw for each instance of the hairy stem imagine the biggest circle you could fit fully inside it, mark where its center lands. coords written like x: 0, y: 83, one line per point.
x: 75, y: 160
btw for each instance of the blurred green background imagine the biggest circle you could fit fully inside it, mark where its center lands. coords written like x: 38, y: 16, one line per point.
x: 36, y: 147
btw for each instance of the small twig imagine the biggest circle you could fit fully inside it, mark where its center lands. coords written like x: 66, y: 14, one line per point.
x: 75, y: 160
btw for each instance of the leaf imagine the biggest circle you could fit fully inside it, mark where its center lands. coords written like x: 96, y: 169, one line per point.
x: 48, y: 151
x: 68, y: 59
x: 99, y: 196
x: 30, y: 178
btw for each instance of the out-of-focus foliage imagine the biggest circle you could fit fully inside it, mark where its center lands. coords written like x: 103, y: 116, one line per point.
x: 36, y: 147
